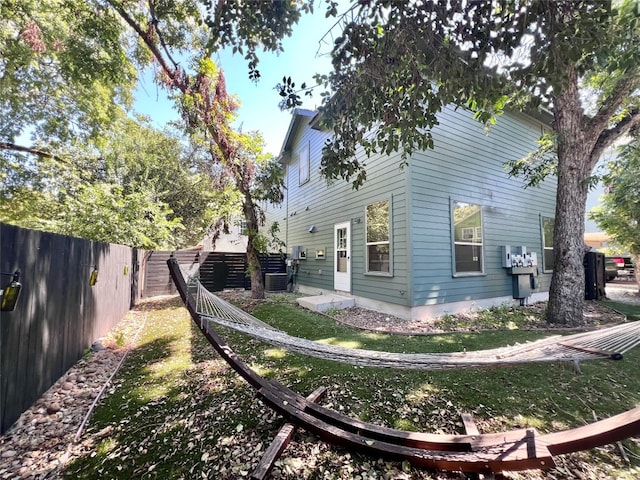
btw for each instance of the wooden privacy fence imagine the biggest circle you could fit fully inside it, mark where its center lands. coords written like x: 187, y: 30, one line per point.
x: 218, y: 270
x: 58, y: 315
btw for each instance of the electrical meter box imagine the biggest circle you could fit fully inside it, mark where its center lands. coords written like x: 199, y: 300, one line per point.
x: 518, y: 257
x: 298, y: 253
x: 522, y: 286
x: 523, y: 268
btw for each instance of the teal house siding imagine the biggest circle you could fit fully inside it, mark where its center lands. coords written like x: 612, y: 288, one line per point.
x: 467, y: 165
x: 321, y: 205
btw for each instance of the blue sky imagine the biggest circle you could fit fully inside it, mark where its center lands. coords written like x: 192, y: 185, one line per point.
x: 259, y: 109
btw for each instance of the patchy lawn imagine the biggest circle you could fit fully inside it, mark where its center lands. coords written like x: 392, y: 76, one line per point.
x: 176, y: 410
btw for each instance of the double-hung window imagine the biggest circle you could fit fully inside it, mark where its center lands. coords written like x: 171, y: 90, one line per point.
x: 548, y: 258
x: 378, y: 233
x: 467, y: 238
x: 304, y: 167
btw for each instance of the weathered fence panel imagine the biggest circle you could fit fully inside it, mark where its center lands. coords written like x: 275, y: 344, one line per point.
x: 58, y: 315
x: 218, y: 270
x: 157, y: 280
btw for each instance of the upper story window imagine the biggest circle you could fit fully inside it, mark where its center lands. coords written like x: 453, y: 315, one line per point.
x: 378, y: 231
x: 548, y: 258
x: 304, y: 168
x: 467, y: 238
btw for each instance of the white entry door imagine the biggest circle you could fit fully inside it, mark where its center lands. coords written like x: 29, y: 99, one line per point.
x: 342, y: 260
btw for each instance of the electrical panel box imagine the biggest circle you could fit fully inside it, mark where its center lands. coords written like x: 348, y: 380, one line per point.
x: 522, y: 286
x: 523, y: 268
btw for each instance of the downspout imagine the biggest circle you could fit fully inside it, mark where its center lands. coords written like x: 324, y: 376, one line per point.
x: 409, y: 222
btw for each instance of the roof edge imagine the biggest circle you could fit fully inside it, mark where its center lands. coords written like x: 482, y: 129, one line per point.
x: 296, y: 116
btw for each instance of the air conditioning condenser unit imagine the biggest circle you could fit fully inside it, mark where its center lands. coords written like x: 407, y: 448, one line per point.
x: 275, y: 282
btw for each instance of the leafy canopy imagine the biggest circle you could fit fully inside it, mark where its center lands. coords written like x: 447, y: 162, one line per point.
x: 397, y: 65
x: 63, y: 70
x: 133, y: 185
x: 67, y: 68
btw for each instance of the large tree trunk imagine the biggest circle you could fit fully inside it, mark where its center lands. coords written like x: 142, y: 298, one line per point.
x: 253, y: 258
x: 253, y: 255
x: 566, y: 295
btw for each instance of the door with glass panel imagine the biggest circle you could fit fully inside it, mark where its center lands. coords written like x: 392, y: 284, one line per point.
x: 342, y: 260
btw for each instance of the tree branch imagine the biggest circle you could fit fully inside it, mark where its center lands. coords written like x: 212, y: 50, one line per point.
x: 145, y: 38
x: 628, y: 124
x: 34, y: 151
x: 218, y: 12
x: 154, y: 20
x: 181, y: 83
x: 624, y: 87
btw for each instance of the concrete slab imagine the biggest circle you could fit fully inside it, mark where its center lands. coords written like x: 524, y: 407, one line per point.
x: 322, y: 303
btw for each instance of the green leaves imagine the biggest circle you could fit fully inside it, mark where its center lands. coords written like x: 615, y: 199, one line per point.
x: 104, y: 212
x: 537, y: 165
x: 134, y: 185
x: 64, y: 68
x: 290, y: 96
x: 397, y: 65
x: 251, y: 26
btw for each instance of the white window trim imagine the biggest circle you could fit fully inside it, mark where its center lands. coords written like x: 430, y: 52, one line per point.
x: 388, y: 242
x: 455, y: 273
x: 466, y: 231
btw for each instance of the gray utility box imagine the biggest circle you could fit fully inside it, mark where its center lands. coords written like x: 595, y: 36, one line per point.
x: 522, y: 285
x: 524, y: 281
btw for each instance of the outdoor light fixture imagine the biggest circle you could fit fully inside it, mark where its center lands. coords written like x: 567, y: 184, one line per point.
x: 11, y: 292
x: 93, y: 279
x: 312, y: 229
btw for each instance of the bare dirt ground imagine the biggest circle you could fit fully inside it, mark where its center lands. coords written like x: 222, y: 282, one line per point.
x: 39, y: 444
x: 370, y: 320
